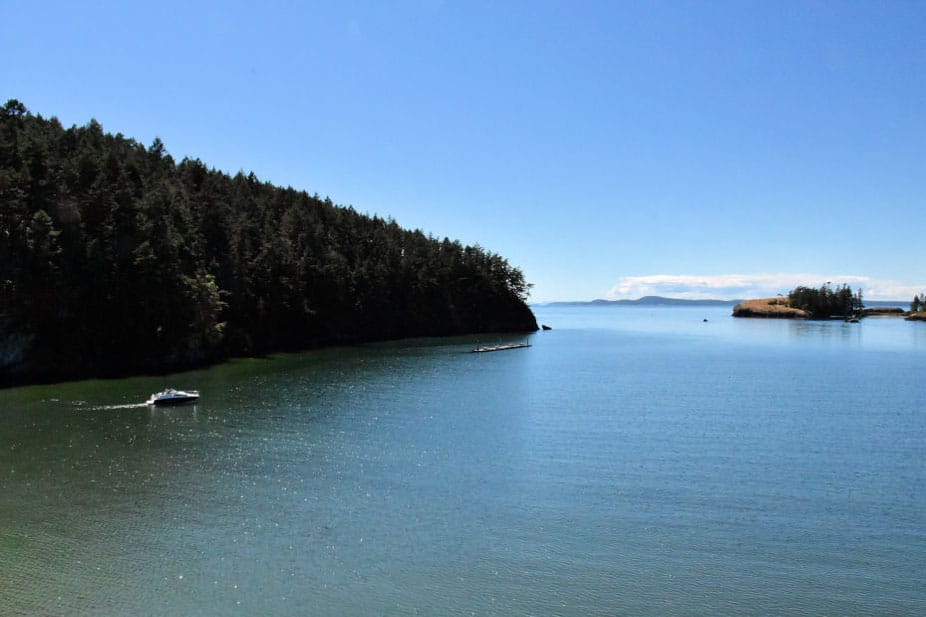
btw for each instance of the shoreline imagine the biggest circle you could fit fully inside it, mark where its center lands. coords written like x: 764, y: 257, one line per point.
x: 45, y: 377
x: 778, y: 308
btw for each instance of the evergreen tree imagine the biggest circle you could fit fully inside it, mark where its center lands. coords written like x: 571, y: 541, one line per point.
x: 115, y: 259
x: 825, y: 302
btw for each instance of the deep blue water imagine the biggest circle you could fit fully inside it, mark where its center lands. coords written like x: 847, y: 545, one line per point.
x: 633, y: 461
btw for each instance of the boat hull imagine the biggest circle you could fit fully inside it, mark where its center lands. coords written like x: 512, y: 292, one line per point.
x: 174, y: 397
x: 164, y: 402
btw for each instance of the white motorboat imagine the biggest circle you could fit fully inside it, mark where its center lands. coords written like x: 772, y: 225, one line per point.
x: 174, y: 397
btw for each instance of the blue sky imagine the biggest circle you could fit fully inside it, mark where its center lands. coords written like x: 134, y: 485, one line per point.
x: 608, y: 149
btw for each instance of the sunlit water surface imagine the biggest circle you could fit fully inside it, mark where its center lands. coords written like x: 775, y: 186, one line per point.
x: 638, y: 461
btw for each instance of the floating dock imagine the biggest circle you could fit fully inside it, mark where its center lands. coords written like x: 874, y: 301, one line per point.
x: 500, y: 347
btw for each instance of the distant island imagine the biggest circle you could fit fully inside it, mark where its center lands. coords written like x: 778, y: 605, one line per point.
x: 800, y: 303
x: 117, y: 260
x: 647, y: 301
x: 818, y: 303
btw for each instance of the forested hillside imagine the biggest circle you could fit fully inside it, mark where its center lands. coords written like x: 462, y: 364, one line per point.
x: 115, y: 259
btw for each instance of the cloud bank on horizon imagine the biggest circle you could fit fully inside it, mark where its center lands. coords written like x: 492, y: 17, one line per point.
x: 745, y: 286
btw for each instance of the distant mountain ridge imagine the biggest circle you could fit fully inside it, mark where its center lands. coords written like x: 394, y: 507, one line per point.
x: 648, y: 301
x: 664, y: 301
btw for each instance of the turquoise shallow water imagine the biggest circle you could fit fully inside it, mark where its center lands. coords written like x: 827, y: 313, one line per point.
x: 632, y: 461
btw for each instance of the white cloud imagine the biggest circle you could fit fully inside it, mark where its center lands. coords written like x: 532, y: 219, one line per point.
x: 737, y: 286
x: 892, y: 290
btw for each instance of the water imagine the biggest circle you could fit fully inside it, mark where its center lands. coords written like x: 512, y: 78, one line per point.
x: 633, y: 461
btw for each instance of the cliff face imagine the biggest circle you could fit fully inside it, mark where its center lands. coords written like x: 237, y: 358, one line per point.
x: 768, y: 308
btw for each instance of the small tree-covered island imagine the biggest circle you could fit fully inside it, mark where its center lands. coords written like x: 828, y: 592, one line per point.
x: 116, y: 260
x: 825, y: 302
x: 805, y: 303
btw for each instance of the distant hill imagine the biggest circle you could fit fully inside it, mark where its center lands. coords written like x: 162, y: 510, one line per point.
x: 649, y: 301
x: 663, y: 301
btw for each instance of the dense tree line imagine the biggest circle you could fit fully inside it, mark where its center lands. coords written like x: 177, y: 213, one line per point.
x: 116, y: 259
x: 918, y: 304
x: 826, y: 301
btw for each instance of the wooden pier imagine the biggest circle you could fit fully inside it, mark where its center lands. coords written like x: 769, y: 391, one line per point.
x: 485, y: 349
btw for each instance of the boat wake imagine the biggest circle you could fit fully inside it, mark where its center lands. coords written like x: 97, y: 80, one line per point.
x: 114, y: 407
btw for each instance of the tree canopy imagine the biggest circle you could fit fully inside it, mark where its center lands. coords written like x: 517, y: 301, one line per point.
x: 826, y: 301
x: 114, y: 259
x: 918, y: 304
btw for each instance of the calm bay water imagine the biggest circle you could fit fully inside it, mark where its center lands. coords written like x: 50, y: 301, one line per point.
x: 635, y: 461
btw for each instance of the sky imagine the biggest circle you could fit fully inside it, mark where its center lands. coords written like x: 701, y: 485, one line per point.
x: 614, y: 149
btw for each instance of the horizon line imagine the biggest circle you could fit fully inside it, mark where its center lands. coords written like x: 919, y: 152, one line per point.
x: 678, y: 299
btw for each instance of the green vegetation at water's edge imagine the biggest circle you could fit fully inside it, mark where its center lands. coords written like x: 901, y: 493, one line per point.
x: 918, y: 308
x: 114, y: 259
x: 805, y: 303
x: 826, y: 301
x: 918, y: 304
